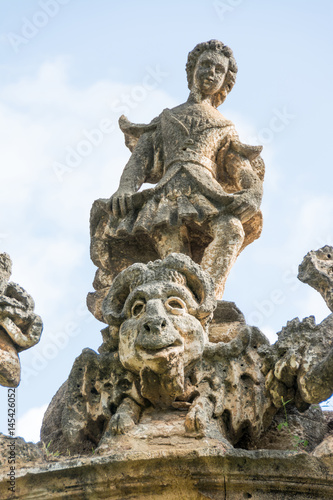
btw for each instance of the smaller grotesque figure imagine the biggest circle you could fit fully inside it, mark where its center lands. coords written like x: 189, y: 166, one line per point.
x: 20, y: 327
x: 300, y: 366
x: 99, y: 398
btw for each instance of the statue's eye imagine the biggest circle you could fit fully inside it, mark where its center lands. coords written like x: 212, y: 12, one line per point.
x: 175, y: 305
x: 138, y: 307
x: 205, y: 64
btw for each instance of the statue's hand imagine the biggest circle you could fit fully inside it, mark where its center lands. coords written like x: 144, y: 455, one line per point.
x: 243, y: 206
x: 121, y: 202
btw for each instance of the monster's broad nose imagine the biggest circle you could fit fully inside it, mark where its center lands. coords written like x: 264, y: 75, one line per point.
x: 157, y: 334
x: 155, y: 325
x: 157, y: 331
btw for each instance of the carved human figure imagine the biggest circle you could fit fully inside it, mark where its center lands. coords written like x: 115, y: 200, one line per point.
x: 20, y: 327
x: 208, y: 184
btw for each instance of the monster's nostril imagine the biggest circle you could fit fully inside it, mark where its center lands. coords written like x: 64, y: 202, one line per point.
x: 163, y: 324
x: 146, y: 327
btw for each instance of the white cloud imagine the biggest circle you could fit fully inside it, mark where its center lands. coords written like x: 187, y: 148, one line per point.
x: 313, y: 304
x: 28, y: 426
x: 270, y: 333
x: 47, y: 220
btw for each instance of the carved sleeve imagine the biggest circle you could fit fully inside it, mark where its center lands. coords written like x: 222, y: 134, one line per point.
x: 140, y: 163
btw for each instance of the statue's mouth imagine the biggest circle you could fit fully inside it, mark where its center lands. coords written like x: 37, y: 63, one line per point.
x: 208, y: 81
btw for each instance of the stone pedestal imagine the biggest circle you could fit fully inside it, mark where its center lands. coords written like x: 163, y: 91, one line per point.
x: 177, y: 472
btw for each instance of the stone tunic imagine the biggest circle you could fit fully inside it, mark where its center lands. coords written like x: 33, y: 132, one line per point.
x: 185, y: 151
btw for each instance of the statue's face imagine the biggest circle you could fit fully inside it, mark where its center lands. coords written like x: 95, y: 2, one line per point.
x: 210, y: 72
x: 159, y: 331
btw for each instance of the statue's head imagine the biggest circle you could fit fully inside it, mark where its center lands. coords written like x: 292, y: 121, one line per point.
x: 221, y: 80
x: 162, y: 309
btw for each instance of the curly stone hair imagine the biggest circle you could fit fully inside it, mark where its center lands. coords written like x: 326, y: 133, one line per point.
x: 216, y: 46
x: 175, y: 268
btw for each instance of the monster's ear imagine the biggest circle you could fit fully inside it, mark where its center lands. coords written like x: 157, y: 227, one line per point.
x: 120, y: 289
x: 198, y: 282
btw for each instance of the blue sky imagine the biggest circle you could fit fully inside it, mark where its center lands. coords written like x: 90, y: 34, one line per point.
x: 71, y: 67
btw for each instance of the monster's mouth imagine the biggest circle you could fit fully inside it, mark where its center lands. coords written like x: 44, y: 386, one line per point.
x: 162, y: 350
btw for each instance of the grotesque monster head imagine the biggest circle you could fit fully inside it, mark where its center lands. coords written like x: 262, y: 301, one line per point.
x: 162, y: 321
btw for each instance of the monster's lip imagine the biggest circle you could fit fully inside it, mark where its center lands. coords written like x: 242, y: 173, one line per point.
x: 162, y: 350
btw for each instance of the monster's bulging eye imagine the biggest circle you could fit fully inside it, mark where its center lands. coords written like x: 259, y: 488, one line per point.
x: 138, y: 307
x: 175, y: 305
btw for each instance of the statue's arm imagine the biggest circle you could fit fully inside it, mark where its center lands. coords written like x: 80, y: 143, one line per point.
x: 249, y: 186
x: 133, y: 176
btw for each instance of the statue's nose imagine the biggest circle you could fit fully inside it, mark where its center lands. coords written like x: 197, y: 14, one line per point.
x: 211, y: 70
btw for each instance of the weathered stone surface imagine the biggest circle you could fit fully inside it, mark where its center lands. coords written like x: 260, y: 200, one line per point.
x: 23, y: 454
x: 159, y: 353
x: 292, y: 430
x: 226, y: 322
x: 316, y: 270
x: 325, y: 448
x: 208, y: 184
x: 89, y: 404
x: 20, y: 327
x: 300, y: 366
x: 173, y: 472
x: 163, y: 352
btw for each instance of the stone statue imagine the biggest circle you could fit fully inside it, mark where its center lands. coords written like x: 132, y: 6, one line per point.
x: 208, y: 190
x: 177, y: 363
x: 20, y: 327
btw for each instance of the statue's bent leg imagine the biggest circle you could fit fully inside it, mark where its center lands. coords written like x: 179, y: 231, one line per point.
x: 221, y: 254
x: 171, y: 239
